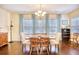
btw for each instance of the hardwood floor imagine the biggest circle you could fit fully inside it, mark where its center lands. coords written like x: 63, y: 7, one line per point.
x: 15, y: 48
x: 69, y: 49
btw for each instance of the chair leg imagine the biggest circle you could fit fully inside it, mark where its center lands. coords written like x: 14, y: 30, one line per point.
x: 73, y: 43
x: 55, y: 48
x: 47, y: 50
x: 77, y: 44
x: 40, y: 50
x: 58, y: 48
x: 30, y: 50
x: 23, y: 48
x: 37, y: 50
x: 50, y: 48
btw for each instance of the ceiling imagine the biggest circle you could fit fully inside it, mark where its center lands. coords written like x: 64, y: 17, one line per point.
x: 50, y: 8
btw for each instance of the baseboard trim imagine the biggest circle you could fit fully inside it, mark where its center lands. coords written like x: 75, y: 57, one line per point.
x: 14, y: 41
x: 11, y: 42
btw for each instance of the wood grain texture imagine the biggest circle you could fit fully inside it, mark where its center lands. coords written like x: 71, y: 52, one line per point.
x: 15, y: 48
x: 3, y: 39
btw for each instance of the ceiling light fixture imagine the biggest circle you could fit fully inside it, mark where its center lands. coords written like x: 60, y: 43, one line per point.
x: 40, y: 12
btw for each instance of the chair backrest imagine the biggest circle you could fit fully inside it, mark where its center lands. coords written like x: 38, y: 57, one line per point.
x: 34, y: 42
x: 75, y: 36
x: 22, y: 36
x: 44, y: 41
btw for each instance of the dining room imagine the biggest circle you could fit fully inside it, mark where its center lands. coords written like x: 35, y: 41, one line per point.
x: 39, y: 29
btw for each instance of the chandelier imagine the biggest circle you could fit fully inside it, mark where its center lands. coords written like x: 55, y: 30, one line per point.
x: 40, y: 12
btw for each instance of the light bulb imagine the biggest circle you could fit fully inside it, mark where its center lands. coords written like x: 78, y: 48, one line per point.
x: 39, y: 11
x: 43, y: 13
x: 36, y: 13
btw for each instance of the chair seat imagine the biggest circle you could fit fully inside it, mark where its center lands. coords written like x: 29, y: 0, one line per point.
x: 27, y: 42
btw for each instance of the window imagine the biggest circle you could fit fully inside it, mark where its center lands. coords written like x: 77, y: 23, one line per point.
x: 52, y: 26
x: 40, y: 26
x: 27, y: 25
x: 75, y: 25
x: 37, y: 25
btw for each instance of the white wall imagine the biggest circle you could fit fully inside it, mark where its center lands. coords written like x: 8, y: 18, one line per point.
x: 4, y: 17
x: 5, y: 20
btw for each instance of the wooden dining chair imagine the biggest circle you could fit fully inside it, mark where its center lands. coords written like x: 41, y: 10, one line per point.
x: 44, y: 43
x: 74, y: 39
x: 34, y: 43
